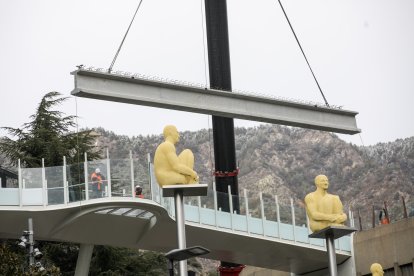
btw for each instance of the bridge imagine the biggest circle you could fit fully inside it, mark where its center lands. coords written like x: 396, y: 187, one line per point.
x: 268, y: 232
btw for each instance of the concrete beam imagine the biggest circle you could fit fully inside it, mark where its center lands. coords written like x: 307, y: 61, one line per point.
x: 133, y: 89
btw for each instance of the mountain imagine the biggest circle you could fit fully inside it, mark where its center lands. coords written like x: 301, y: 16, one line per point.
x: 283, y: 161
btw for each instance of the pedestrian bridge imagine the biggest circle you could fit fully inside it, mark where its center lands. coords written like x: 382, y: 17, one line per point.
x: 268, y: 231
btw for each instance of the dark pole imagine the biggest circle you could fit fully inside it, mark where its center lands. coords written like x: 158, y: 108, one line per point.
x: 373, y: 216
x: 223, y: 128
x: 404, y: 207
x: 220, y: 78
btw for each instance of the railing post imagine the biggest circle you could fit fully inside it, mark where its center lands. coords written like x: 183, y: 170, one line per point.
x: 262, y: 212
x: 359, y: 220
x: 246, y: 201
x: 20, y: 182
x: 132, y: 174
x: 85, y: 168
x: 65, y: 186
x: 308, y: 226
x: 215, y: 202
x: 404, y: 207
x: 277, y: 216
x: 150, y: 177
x: 292, y: 209
x: 351, y: 218
x: 44, y: 183
x: 199, y: 209
x: 108, y: 169
x: 231, y: 206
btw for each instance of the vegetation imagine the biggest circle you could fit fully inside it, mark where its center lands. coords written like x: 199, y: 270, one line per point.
x: 48, y: 135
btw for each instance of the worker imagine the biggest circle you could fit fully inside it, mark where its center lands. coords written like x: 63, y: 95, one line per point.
x: 385, y: 219
x: 97, y: 183
x: 138, y: 192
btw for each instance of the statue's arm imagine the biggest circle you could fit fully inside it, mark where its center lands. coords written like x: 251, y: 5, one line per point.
x: 339, y: 209
x: 313, y: 212
x: 172, y: 158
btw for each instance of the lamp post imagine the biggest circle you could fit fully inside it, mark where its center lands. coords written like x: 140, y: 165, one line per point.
x: 27, y: 242
x: 184, y: 254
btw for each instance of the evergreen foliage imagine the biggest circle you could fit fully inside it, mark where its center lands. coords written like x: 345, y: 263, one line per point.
x: 48, y: 135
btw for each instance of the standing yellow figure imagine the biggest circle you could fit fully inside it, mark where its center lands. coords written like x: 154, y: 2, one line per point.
x: 376, y: 269
x: 171, y: 169
x: 323, y: 209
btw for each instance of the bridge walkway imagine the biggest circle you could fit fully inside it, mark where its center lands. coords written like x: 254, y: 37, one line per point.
x: 268, y: 232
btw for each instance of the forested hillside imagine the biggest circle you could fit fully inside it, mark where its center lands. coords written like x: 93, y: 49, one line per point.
x: 284, y: 161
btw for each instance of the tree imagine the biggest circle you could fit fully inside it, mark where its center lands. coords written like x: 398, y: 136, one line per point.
x: 14, y: 262
x: 48, y: 135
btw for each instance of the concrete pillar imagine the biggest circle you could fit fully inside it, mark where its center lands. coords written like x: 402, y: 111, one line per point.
x: 84, y: 260
x: 397, y: 270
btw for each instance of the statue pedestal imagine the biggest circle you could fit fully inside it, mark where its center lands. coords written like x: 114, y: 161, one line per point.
x: 178, y: 192
x: 185, y: 189
x: 330, y: 234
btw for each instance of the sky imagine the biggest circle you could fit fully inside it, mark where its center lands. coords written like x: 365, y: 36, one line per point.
x: 360, y: 50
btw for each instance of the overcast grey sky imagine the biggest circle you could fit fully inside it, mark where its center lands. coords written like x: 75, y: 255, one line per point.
x: 361, y: 52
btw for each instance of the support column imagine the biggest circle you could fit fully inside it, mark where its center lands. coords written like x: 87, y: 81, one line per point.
x: 330, y: 246
x: 223, y: 128
x: 178, y: 192
x: 220, y: 78
x: 84, y: 260
x: 179, y: 217
x: 330, y: 234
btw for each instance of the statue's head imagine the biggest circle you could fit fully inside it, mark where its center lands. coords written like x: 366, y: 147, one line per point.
x: 376, y: 269
x: 171, y: 132
x: 322, y: 182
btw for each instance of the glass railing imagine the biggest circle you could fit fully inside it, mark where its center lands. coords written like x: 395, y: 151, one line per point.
x: 55, y: 185
x: 253, y: 212
x: 32, y: 178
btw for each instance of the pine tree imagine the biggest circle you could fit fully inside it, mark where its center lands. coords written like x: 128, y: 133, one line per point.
x: 48, y: 135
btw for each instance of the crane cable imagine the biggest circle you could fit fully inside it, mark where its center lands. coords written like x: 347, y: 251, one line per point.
x: 122, y: 42
x: 300, y: 46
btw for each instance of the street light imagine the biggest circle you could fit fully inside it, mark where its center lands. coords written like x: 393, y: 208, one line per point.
x: 184, y: 254
x: 27, y: 242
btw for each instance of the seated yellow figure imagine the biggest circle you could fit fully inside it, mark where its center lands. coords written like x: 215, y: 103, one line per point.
x: 376, y: 269
x: 171, y: 169
x: 323, y: 209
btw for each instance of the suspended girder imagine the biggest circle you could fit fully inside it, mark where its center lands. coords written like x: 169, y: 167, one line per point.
x: 133, y: 89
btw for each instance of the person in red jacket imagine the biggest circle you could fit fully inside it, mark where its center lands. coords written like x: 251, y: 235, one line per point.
x: 385, y: 219
x: 97, y: 183
x: 138, y: 192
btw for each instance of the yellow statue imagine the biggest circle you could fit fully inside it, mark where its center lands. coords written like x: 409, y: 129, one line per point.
x: 171, y: 169
x: 376, y: 269
x: 323, y: 209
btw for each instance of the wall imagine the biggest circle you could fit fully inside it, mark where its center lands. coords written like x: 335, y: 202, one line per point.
x: 391, y: 245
